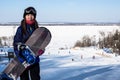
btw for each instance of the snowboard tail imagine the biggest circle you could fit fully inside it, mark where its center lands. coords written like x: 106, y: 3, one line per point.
x: 14, y: 68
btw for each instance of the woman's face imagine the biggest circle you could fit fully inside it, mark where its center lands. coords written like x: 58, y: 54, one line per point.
x: 29, y: 17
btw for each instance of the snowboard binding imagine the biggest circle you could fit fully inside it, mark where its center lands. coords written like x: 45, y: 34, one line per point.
x: 27, y: 54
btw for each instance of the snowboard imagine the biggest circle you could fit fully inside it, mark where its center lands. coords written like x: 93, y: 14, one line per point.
x: 39, y: 39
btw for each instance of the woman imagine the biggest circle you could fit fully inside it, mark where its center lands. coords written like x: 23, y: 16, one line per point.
x: 24, y: 31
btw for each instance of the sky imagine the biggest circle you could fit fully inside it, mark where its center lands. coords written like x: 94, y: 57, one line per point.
x: 62, y: 10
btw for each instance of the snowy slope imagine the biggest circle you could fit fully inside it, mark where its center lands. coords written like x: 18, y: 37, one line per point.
x: 60, y: 66
x: 68, y: 65
x: 75, y: 64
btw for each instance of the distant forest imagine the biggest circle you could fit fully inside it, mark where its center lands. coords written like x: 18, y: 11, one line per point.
x: 65, y: 23
x: 6, y: 41
x: 111, y: 40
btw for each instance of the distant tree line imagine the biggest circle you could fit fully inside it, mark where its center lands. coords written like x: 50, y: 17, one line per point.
x: 6, y: 41
x: 111, y: 40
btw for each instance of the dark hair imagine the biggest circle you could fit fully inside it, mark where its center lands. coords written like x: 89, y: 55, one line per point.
x: 23, y: 25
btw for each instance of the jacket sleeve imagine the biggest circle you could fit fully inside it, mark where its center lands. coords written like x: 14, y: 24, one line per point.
x: 17, y: 39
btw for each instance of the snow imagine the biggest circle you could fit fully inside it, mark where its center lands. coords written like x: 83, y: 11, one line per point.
x: 88, y: 63
x: 59, y: 66
x: 66, y: 36
x: 7, y: 30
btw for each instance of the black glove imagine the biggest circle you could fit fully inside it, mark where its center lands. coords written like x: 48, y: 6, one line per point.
x: 21, y: 47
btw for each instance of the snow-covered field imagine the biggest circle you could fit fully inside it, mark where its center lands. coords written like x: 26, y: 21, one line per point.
x: 88, y: 63
x: 81, y: 64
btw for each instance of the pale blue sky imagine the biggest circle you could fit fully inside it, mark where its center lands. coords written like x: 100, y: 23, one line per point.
x: 62, y: 10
